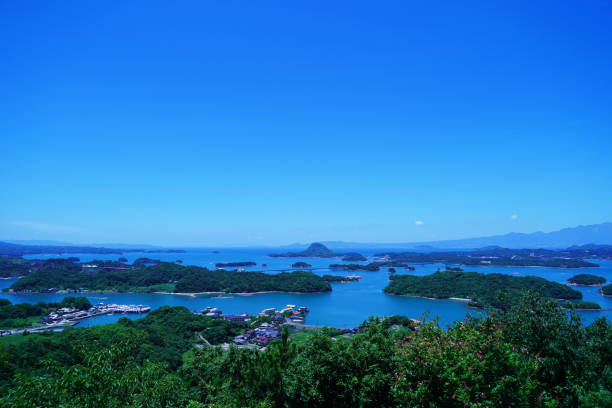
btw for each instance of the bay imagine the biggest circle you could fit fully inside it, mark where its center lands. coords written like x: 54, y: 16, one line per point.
x: 346, y: 306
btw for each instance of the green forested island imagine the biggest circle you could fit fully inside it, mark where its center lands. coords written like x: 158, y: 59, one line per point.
x: 534, y: 354
x: 585, y: 279
x: 235, y: 264
x: 372, y: 266
x: 317, y: 250
x: 607, y: 290
x: 582, y: 305
x: 494, y: 256
x: 339, y: 279
x: 60, y: 274
x: 493, y: 289
x: 301, y: 265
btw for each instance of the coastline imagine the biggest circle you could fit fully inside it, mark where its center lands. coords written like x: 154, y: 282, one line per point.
x: 230, y: 293
x: 431, y: 298
x: 590, y: 286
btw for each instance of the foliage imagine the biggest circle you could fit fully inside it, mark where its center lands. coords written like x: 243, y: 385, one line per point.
x: 465, y: 366
x: 607, y: 290
x: 534, y: 354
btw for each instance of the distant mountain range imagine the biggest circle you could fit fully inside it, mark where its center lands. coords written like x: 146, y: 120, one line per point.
x: 580, y: 235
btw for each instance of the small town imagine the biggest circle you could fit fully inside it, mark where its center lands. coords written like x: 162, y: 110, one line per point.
x: 270, y: 321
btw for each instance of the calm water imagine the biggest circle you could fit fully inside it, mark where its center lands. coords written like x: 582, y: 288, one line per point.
x: 346, y: 306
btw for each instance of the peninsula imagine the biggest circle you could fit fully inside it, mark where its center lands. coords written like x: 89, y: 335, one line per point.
x: 62, y: 275
x: 496, y: 256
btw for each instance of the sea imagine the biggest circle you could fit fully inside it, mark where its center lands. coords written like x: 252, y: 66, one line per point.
x: 348, y: 305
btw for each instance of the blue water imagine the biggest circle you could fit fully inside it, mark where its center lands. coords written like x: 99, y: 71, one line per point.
x: 346, y: 306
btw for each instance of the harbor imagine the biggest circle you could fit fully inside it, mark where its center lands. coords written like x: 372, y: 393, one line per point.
x: 68, y: 317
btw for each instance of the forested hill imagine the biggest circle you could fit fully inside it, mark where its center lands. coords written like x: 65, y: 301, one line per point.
x: 168, y: 277
x: 481, y: 289
x: 317, y: 250
x: 495, y: 256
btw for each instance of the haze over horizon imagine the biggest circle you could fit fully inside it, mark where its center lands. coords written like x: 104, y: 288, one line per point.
x: 303, y: 122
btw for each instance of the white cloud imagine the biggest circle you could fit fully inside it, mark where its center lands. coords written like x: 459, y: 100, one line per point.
x: 43, y: 226
x: 418, y: 222
x: 513, y: 216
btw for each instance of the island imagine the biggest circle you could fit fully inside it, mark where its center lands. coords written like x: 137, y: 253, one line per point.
x: 340, y: 279
x: 493, y: 289
x: 371, y: 267
x: 607, y: 290
x: 301, y: 265
x: 495, y: 256
x: 585, y: 279
x: 61, y: 275
x: 318, y: 250
x: 353, y: 257
x: 581, y: 305
x: 235, y: 264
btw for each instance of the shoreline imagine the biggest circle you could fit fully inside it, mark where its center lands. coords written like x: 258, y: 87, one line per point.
x: 194, y: 294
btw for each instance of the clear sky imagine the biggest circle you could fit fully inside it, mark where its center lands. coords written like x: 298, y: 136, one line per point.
x: 263, y: 123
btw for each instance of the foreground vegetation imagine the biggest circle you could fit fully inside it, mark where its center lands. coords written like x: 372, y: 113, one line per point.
x: 61, y: 274
x: 493, y: 289
x: 534, y: 354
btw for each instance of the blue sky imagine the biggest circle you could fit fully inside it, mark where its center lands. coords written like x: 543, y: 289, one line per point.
x: 222, y: 123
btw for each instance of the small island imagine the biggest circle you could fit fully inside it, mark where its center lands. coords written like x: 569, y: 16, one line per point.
x: 235, y: 264
x: 371, y: 267
x: 607, y: 290
x: 301, y: 265
x: 585, y: 279
x: 354, y: 257
x: 318, y: 250
x: 340, y: 279
x: 581, y: 305
x: 493, y: 289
